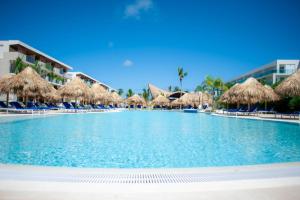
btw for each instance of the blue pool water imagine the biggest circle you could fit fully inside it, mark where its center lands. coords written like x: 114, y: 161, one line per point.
x: 146, y: 139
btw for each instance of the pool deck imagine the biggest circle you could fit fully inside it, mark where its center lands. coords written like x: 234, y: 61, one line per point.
x: 260, y: 117
x: 272, y: 181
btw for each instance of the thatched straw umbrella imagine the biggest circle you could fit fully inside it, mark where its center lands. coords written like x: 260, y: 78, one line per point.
x: 290, y: 87
x: 155, y: 91
x: 135, y: 100
x: 5, y: 86
x: 230, y: 96
x: 76, y: 88
x: 29, y: 83
x: 116, y: 99
x: 53, y: 95
x: 206, y: 98
x: 271, y: 96
x: 199, y: 98
x: 251, y: 92
x: 160, y: 100
x: 184, y: 100
x: 99, y: 93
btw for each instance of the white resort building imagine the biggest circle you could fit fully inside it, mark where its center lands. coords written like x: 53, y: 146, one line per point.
x: 52, y: 70
x: 86, y: 78
x: 272, y: 72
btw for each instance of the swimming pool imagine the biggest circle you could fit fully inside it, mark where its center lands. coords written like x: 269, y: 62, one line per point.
x: 147, y: 139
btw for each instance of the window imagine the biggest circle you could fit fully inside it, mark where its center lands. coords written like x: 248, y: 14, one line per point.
x: 30, y: 59
x: 287, y: 68
x: 290, y: 68
x: 282, y: 69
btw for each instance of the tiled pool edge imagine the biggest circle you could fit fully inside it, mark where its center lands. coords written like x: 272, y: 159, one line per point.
x: 148, y: 176
x: 256, y: 118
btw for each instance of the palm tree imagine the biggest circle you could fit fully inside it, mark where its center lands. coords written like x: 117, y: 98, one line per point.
x: 120, y: 91
x: 170, y: 88
x: 130, y: 93
x: 181, y: 75
x: 146, y: 94
x: 176, y: 89
x: 199, y: 88
x: 19, y: 65
x: 215, y: 86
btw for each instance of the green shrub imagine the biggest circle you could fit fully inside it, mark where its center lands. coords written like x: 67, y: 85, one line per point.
x: 294, y: 103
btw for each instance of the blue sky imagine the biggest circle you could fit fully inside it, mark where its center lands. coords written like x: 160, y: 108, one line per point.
x: 130, y: 43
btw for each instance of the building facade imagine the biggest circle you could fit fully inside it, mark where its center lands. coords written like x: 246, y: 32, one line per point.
x: 14, y: 51
x: 86, y: 78
x: 272, y: 72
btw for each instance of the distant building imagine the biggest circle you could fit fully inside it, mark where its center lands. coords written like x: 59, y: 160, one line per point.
x: 11, y: 50
x: 86, y: 78
x: 272, y: 72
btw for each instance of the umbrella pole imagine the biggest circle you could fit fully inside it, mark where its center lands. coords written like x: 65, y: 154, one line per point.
x: 248, y: 107
x: 7, y: 98
x: 265, y: 105
x: 25, y: 100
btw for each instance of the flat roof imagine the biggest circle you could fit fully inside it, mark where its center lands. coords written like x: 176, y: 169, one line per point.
x: 266, y: 66
x: 18, y: 42
x: 83, y: 74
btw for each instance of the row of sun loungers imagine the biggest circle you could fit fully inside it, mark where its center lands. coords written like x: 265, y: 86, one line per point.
x: 257, y: 111
x: 32, y: 108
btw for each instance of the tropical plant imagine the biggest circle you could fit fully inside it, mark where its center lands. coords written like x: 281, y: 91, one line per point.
x: 181, y: 75
x: 294, y: 103
x: 262, y: 81
x: 176, y: 89
x: 49, y: 67
x: 146, y: 94
x: 199, y: 88
x: 120, y: 91
x: 276, y: 84
x: 170, y: 88
x: 214, y: 86
x: 130, y: 93
x: 19, y: 65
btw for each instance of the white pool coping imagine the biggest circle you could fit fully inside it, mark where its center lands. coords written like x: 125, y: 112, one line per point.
x: 271, y: 181
x: 257, y: 118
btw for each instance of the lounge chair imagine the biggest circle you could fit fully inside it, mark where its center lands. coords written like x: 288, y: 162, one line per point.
x: 267, y: 111
x: 17, y: 107
x: 3, y: 105
x: 51, y: 106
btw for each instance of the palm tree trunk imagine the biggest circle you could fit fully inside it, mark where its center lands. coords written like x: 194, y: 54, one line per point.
x: 180, y: 90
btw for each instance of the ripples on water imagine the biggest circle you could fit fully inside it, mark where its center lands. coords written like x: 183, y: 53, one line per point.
x: 147, y: 139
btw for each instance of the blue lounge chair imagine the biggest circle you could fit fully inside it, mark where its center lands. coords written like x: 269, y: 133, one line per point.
x: 3, y: 105
x: 68, y: 105
x: 101, y: 106
x: 51, y: 106
x: 18, y: 107
x: 139, y: 106
x: 31, y: 105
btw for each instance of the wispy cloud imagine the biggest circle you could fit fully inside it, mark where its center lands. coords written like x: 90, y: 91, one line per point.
x: 135, y: 9
x: 127, y: 63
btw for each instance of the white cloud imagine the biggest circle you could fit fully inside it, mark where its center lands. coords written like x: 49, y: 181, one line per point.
x: 127, y: 63
x: 135, y: 9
